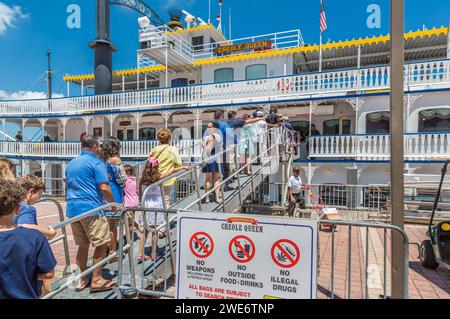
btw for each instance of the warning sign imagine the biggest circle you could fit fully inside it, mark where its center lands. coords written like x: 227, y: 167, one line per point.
x: 241, y: 249
x: 201, y: 245
x: 245, y: 257
x: 285, y: 253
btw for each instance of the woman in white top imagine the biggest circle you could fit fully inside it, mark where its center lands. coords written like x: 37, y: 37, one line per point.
x: 152, y: 198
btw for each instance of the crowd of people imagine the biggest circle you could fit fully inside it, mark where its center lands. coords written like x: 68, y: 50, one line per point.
x: 97, y: 177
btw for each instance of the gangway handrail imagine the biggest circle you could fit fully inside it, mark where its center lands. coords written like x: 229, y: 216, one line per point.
x: 93, y: 267
x: 191, y: 167
x: 231, y: 176
x: 63, y: 236
x: 381, y: 226
x: 349, y: 224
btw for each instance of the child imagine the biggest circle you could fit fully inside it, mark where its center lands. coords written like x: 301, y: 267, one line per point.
x: 25, y: 254
x: 152, y: 199
x: 27, y: 217
x: 130, y: 199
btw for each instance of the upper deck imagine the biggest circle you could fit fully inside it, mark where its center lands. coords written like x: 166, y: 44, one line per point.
x: 347, y: 83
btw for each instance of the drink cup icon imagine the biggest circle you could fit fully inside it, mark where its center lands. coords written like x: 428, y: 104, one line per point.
x: 240, y: 253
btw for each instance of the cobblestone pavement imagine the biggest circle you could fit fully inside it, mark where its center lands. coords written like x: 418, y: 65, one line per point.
x: 423, y: 283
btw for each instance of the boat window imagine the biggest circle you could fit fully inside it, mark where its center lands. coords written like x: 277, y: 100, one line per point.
x: 130, y: 135
x: 331, y: 127
x: 197, y: 43
x: 256, y: 71
x: 204, y: 128
x: 301, y: 126
x: 224, y: 75
x: 378, y: 123
x: 435, y: 120
x: 213, y: 43
x: 179, y: 82
x: 120, y: 135
x: 147, y: 133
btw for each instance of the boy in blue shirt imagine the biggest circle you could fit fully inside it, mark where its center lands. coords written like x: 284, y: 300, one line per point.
x: 27, y: 217
x: 25, y: 254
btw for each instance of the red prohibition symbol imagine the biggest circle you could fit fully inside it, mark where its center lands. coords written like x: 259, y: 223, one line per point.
x: 201, y: 245
x: 285, y: 253
x: 241, y: 249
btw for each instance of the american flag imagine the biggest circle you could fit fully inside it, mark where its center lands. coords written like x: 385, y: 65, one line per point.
x: 323, y: 18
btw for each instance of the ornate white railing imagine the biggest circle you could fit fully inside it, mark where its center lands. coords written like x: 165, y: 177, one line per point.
x: 279, y: 40
x: 417, y: 146
x: 129, y: 149
x: 418, y: 76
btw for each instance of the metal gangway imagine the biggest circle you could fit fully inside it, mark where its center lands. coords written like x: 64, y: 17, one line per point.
x: 274, y: 154
x: 154, y: 278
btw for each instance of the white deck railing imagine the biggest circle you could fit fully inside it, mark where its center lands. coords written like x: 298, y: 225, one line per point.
x: 279, y: 40
x: 129, y: 149
x: 418, y: 76
x: 418, y: 146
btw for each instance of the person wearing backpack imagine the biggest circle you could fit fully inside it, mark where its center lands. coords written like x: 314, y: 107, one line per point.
x: 168, y: 158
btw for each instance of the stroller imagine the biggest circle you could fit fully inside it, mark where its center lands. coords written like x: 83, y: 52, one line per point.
x: 324, y: 213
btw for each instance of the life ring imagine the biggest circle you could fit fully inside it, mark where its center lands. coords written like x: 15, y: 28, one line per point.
x: 284, y: 85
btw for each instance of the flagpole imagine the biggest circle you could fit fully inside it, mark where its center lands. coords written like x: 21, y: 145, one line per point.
x: 209, y: 12
x: 320, y: 53
x: 320, y: 41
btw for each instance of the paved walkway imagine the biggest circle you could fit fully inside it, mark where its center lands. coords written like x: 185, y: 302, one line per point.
x: 423, y: 283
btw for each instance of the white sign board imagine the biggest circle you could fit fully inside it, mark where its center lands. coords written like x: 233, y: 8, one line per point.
x: 224, y: 256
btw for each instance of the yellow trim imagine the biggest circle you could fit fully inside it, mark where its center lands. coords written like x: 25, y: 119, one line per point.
x: 315, y: 47
x: 273, y: 53
x: 156, y: 68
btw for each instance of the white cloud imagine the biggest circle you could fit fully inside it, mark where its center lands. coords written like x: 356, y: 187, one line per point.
x: 26, y: 95
x: 9, y: 15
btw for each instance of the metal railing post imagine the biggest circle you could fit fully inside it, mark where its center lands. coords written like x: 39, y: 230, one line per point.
x: 197, y: 188
x: 238, y: 177
x: 63, y: 231
x: 172, y: 256
x: 119, y: 266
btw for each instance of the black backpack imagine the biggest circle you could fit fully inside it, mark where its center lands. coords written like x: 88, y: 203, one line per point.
x: 273, y: 118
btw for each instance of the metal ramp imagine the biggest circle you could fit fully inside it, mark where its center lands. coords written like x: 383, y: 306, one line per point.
x: 153, y: 273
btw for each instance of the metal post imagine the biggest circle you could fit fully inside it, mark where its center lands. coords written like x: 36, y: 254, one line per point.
x: 397, y: 147
x: 172, y: 254
x: 197, y: 188
x: 238, y: 177
x: 49, y: 76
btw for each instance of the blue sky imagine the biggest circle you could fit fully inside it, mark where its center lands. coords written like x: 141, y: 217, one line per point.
x: 28, y: 28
